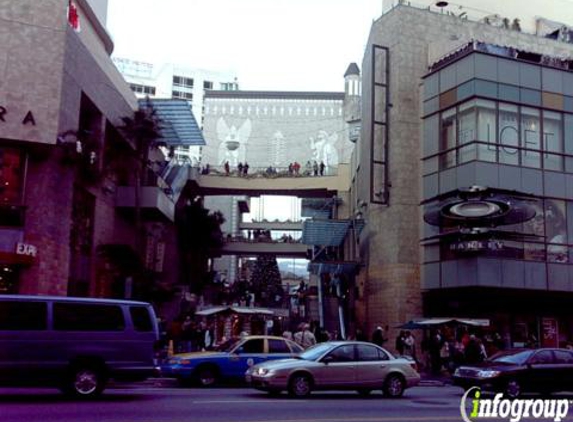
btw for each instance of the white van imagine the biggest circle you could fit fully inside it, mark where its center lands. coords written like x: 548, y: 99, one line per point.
x: 75, y: 344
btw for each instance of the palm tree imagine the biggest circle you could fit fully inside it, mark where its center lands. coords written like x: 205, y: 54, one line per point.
x: 143, y: 130
x: 199, y: 238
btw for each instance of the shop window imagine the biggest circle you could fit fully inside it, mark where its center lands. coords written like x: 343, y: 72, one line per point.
x: 552, y: 141
x: 486, y: 130
x: 556, y: 230
x: 467, y: 131
x: 448, y: 138
x: 530, y: 137
x: 508, y: 134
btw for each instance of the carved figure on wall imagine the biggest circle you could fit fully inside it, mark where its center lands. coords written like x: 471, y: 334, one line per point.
x: 233, y: 142
x: 323, y: 148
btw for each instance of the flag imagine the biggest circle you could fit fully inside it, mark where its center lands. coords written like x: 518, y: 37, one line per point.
x: 73, y: 16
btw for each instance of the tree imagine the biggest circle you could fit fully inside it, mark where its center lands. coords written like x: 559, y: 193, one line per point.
x: 199, y: 238
x: 266, y: 281
x: 143, y: 130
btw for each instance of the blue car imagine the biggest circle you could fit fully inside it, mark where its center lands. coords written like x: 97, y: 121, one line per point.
x: 209, y: 368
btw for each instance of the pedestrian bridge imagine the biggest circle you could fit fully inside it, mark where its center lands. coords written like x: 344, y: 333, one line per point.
x: 304, y: 186
x: 244, y: 247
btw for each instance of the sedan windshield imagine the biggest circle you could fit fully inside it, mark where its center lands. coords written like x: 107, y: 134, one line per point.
x: 315, y: 352
x: 518, y: 358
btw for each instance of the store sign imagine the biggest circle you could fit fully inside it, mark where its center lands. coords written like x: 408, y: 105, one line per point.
x: 26, y: 249
x: 28, y: 118
x: 476, y: 245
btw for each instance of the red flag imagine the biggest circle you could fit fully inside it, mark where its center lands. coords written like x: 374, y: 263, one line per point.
x: 73, y: 16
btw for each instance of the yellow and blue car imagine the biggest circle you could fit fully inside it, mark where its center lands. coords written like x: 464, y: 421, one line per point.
x: 210, y: 368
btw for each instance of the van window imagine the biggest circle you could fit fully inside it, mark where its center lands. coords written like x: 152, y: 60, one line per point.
x: 15, y: 315
x: 86, y: 317
x: 141, y: 319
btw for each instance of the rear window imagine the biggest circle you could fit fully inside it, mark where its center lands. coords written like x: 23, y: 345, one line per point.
x: 25, y: 316
x: 87, y: 317
x: 141, y: 319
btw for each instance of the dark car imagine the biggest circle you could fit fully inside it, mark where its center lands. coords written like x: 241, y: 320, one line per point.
x: 525, y: 370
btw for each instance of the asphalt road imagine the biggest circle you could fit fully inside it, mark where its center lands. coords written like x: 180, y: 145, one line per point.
x: 159, y: 404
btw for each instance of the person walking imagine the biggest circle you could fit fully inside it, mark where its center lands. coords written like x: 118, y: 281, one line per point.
x: 315, y: 168
x: 322, y: 166
x: 378, y: 336
x: 240, y: 169
x: 246, y: 168
x: 227, y: 168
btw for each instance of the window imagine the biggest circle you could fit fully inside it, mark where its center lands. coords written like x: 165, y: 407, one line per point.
x: 141, y: 319
x: 182, y: 95
x: 207, y: 85
x: 542, y: 357
x: 562, y: 356
x: 342, y: 354
x: 370, y: 353
x: 508, y: 134
x: 556, y: 230
x: 252, y: 346
x: 467, y: 131
x: 10, y: 176
x: 530, y: 138
x: 448, y: 138
x: 142, y: 89
x: 25, y: 316
x: 86, y: 317
x: 486, y: 130
x: 552, y: 141
x: 278, y: 346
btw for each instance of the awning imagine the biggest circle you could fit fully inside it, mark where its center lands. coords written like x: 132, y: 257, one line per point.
x: 433, y: 322
x: 328, y: 232
x: 179, y: 127
x: 234, y: 309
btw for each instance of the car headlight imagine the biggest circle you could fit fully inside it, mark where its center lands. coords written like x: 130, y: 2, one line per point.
x: 487, y: 374
x: 263, y: 371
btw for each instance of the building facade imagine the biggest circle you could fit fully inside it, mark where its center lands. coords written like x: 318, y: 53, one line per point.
x: 64, y: 170
x: 461, y: 170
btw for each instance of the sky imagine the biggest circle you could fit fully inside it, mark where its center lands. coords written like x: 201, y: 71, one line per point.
x: 290, y: 45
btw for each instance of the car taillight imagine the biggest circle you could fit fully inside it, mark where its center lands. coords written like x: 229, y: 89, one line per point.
x: 414, y: 366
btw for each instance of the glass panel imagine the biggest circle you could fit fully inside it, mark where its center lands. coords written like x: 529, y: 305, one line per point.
x: 486, y: 130
x: 468, y: 153
x: 530, y: 137
x: 17, y: 315
x: 508, y: 134
x: 467, y: 123
x: 10, y: 176
x: 430, y: 165
x: 80, y: 317
x: 448, y: 138
x: 140, y: 318
x: 552, y: 140
x: 534, y: 251
x: 556, y: 230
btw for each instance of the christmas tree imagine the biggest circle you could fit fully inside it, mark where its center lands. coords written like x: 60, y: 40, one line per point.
x: 266, y: 281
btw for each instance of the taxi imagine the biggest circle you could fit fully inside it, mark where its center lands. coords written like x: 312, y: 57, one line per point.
x: 210, y: 368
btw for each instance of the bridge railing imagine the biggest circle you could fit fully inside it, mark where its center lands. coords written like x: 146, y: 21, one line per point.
x: 269, y: 172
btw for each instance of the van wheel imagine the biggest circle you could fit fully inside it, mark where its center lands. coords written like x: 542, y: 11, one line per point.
x: 85, y: 382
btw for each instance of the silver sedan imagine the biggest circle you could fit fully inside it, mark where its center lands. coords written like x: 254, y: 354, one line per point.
x: 337, y: 365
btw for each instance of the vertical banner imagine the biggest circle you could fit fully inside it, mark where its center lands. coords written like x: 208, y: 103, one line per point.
x: 549, y: 332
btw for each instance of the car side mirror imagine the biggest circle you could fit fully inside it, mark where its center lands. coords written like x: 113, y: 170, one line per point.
x: 239, y: 350
x: 327, y: 359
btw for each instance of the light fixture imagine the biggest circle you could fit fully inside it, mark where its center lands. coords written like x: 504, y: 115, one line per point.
x: 474, y: 209
x: 442, y: 4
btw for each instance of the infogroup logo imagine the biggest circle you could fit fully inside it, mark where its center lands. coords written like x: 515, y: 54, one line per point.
x: 514, y: 410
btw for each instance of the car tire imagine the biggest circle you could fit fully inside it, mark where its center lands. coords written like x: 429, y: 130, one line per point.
x: 364, y: 392
x: 300, y: 385
x: 512, y: 389
x: 207, y: 376
x: 84, y: 381
x: 394, y: 386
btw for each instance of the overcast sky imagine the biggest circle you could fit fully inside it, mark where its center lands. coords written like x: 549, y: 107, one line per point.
x: 270, y: 44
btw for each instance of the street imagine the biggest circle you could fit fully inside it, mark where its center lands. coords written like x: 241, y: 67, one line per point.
x: 159, y: 404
